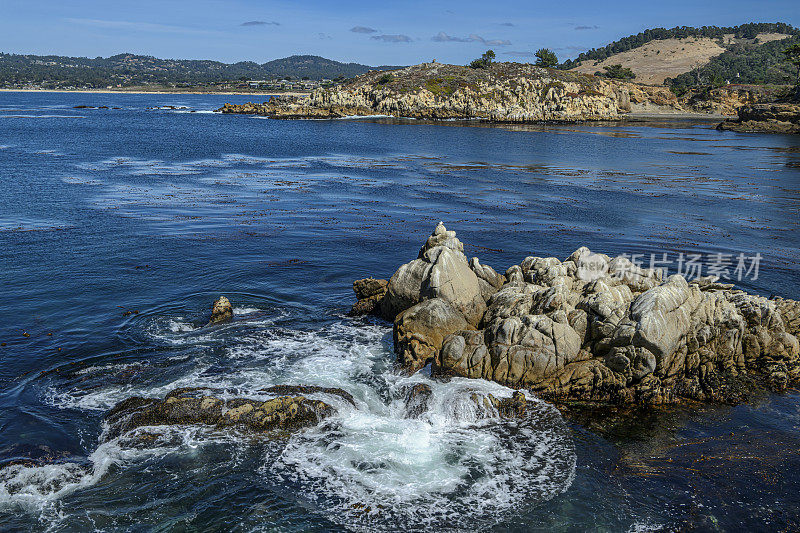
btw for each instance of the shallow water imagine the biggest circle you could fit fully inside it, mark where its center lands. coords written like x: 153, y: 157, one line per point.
x: 118, y: 229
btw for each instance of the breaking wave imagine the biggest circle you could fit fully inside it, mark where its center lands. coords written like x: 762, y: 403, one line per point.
x: 371, y: 466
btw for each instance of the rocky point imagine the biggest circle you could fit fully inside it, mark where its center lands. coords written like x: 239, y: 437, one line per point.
x: 590, y: 327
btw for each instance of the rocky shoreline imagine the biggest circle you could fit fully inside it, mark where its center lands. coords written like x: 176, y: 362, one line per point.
x: 589, y: 328
x: 502, y: 93
x: 505, y: 92
x: 765, y: 118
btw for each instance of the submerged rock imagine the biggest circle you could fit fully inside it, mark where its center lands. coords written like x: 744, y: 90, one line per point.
x: 417, y: 399
x: 514, y: 407
x: 222, y: 311
x: 199, y: 406
x: 590, y: 327
x: 285, y: 390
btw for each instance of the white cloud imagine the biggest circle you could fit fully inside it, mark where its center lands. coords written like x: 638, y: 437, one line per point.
x: 139, y: 26
x: 442, y: 37
x: 392, y: 38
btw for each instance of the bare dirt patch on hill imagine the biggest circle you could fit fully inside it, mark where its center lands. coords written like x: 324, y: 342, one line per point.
x: 657, y: 60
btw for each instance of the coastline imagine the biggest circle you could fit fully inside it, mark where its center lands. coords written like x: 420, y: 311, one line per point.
x: 112, y: 91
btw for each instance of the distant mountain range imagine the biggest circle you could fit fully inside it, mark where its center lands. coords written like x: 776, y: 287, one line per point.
x: 131, y: 70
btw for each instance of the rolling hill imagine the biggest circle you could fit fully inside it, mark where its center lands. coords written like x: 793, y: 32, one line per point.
x: 131, y: 69
x: 659, y: 54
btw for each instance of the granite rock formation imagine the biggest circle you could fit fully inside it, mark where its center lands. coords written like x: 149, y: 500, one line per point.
x: 590, y: 327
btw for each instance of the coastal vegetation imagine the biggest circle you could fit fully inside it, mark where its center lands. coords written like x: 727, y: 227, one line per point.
x: 617, y: 72
x: 753, y: 63
x: 485, y: 61
x: 546, y: 58
x: 792, y: 54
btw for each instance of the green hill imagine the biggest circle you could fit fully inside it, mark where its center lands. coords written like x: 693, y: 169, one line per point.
x: 131, y: 70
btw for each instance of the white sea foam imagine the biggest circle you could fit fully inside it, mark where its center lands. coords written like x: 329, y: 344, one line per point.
x: 194, y: 111
x: 644, y: 527
x: 370, y: 466
x: 245, y: 310
x: 39, y: 488
x: 456, y: 465
x: 356, y: 117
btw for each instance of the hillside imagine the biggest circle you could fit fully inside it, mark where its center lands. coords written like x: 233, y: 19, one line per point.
x: 745, y: 31
x: 130, y: 70
x: 657, y: 60
x: 660, y: 54
x: 743, y: 63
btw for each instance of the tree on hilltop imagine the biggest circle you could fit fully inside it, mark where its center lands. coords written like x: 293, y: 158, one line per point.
x: 546, y: 58
x: 485, y: 61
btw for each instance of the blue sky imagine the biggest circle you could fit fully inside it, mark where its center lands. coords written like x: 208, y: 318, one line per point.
x: 370, y: 32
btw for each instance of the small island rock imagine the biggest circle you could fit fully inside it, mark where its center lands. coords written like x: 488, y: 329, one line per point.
x: 222, y: 311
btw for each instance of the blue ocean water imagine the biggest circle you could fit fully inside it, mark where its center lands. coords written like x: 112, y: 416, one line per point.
x: 119, y: 227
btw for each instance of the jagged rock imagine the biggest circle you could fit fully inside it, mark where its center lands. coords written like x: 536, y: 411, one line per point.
x: 516, y: 352
x: 660, y: 318
x: 595, y: 328
x: 195, y: 406
x: 417, y: 399
x: 514, y: 407
x: 440, y: 271
x: 637, y: 278
x: 222, y: 311
x: 790, y: 312
x: 420, y: 330
x: 488, y: 279
x: 369, y: 293
x: 441, y: 237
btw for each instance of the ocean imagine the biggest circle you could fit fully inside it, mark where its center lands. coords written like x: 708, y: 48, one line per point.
x: 120, y: 227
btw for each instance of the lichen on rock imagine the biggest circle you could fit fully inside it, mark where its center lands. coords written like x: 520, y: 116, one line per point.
x: 205, y: 406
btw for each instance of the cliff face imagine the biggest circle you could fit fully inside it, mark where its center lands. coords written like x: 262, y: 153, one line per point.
x: 506, y: 92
